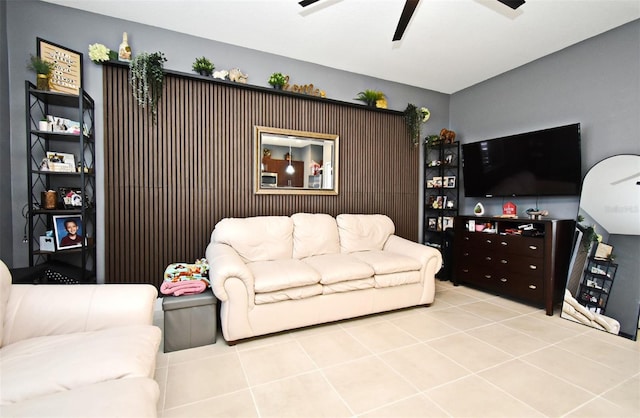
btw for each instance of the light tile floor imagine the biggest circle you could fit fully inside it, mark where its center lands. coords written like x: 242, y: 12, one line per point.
x: 470, y: 354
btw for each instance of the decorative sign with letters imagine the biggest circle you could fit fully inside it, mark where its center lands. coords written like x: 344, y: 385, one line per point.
x: 67, y: 73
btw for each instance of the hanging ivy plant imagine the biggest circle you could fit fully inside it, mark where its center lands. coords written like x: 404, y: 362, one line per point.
x: 414, y: 117
x: 147, y: 78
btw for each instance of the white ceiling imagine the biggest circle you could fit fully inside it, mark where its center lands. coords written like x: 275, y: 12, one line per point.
x: 449, y: 44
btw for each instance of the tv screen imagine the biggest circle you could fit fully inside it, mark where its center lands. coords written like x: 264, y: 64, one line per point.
x: 539, y: 163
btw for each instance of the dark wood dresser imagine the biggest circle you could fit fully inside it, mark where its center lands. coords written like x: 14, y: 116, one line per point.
x: 519, y: 258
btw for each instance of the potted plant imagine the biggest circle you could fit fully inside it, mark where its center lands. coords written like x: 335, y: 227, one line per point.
x: 277, y: 80
x: 203, y: 66
x: 370, y: 97
x: 147, y: 78
x: 43, y: 71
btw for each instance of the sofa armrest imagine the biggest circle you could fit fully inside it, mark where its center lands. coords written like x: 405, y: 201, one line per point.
x: 40, y: 310
x: 224, y: 263
x: 430, y: 257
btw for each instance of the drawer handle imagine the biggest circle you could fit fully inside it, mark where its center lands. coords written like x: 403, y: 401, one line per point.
x: 487, y: 276
x: 504, y: 261
x: 533, y: 286
x: 488, y: 241
x: 465, y: 270
x: 466, y: 238
x: 465, y: 254
x: 488, y: 258
x: 532, y: 267
x: 504, y: 243
x: 533, y: 247
x: 503, y: 280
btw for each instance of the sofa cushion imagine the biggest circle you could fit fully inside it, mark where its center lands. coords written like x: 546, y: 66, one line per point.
x: 348, y: 286
x: 293, y: 293
x: 314, y: 234
x: 134, y: 397
x: 363, y: 232
x: 257, y: 239
x: 385, y: 262
x: 334, y: 268
x: 275, y: 275
x: 45, y: 365
x: 396, y: 279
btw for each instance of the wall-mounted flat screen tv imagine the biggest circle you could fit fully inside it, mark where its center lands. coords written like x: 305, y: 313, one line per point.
x: 539, y: 163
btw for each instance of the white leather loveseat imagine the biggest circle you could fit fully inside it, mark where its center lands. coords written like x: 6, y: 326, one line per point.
x: 77, y: 350
x: 273, y: 273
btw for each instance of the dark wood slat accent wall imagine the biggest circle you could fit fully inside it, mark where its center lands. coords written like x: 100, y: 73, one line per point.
x: 167, y: 184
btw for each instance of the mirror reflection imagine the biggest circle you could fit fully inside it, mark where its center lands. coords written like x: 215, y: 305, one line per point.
x: 603, y: 288
x: 295, y: 162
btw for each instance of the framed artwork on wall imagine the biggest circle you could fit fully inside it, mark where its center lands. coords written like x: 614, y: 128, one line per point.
x: 67, y: 73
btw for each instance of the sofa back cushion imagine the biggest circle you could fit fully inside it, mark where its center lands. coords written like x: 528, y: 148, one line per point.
x: 314, y: 234
x: 363, y: 232
x: 259, y: 238
x: 5, y: 289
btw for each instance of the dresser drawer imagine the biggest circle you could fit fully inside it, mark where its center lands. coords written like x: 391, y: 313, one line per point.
x: 526, y: 288
x: 528, y: 247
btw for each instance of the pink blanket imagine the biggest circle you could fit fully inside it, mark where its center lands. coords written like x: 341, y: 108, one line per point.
x: 183, y: 287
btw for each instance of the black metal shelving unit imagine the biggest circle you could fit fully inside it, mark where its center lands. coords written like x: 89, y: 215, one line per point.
x: 77, y: 264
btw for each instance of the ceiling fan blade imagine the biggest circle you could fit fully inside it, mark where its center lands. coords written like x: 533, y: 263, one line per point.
x: 514, y: 4
x: 405, y: 17
x: 305, y: 3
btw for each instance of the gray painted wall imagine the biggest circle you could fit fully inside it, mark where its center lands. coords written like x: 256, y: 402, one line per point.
x: 6, y: 242
x: 74, y: 29
x: 595, y: 82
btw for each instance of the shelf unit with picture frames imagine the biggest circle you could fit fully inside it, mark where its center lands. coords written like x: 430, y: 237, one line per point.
x: 441, y: 195
x: 62, y: 185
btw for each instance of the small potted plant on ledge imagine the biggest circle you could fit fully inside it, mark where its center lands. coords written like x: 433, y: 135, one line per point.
x: 277, y: 80
x: 203, y: 66
x: 370, y: 97
x: 43, y: 71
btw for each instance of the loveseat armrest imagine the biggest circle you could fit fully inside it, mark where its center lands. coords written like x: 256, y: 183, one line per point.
x: 429, y: 257
x: 225, y: 263
x: 40, y: 310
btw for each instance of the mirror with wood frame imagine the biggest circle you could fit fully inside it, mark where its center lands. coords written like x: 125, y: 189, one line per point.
x: 295, y: 162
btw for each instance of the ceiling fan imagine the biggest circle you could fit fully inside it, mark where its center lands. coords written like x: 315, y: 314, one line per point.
x: 410, y: 7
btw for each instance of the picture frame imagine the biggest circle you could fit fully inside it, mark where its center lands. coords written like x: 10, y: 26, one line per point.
x: 67, y: 74
x: 447, y: 222
x: 432, y: 223
x: 603, y: 251
x: 430, y: 184
x: 448, y: 159
x: 449, y: 182
x: 71, y: 197
x: 60, y: 161
x: 437, y: 182
x: 66, y: 235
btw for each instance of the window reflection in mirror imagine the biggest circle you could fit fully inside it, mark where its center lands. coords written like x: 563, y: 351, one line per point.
x: 295, y: 162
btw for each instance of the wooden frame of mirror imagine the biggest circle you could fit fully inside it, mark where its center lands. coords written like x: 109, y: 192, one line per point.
x: 311, y: 170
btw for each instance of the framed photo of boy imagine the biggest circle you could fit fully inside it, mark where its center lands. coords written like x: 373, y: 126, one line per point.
x: 432, y: 224
x: 68, y: 231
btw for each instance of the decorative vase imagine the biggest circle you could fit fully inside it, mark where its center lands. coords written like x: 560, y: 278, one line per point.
x: 277, y: 87
x: 42, y: 82
x: 124, y: 52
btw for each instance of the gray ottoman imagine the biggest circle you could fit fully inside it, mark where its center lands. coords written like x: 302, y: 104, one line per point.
x: 189, y: 321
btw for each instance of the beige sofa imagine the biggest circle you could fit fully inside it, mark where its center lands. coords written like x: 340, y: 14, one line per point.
x: 274, y: 273
x: 77, y: 350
